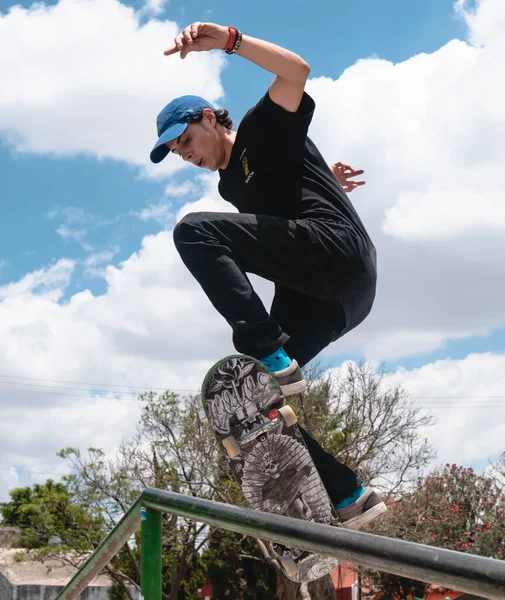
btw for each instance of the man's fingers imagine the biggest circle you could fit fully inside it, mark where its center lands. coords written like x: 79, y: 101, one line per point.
x: 352, y: 185
x: 349, y: 170
x: 349, y: 186
x: 179, y: 41
x: 188, y: 38
x: 187, y: 49
x: 184, y: 39
x: 170, y: 51
x: 194, y: 29
x: 182, y: 46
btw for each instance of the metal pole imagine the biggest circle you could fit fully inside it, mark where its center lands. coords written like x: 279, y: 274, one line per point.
x: 150, y: 554
x: 107, y: 549
x: 454, y: 570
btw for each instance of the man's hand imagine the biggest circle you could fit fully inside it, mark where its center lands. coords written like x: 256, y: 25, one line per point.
x: 343, y: 173
x: 199, y: 37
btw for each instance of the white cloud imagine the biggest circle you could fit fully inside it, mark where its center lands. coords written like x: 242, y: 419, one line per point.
x: 429, y: 133
x: 31, y: 435
x: 153, y: 328
x: 76, y: 235
x: 70, y: 214
x: 184, y: 189
x: 485, y: 20
x: 211, y: 201
x: 101, y: 257
x: 154, y: 7
x: 446, y: 214
x: 496, y: 471
x: 93, y: 261
x: 162, y: 213
x: 48, y: 283
x: 468, y: 398
x: 90, y: 79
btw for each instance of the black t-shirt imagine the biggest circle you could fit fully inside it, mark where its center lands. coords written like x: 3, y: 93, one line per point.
x: 275, y: 169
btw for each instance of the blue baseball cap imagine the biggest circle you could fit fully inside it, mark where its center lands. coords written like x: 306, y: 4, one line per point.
x: 173, y: 120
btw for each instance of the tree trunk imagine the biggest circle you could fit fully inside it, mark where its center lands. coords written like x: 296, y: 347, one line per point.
x: 321, y: 589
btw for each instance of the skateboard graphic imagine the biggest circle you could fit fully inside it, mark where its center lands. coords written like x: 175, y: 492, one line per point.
x: 267, y: 454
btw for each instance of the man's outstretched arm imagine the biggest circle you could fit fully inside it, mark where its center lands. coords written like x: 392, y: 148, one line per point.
x: 290, y: 69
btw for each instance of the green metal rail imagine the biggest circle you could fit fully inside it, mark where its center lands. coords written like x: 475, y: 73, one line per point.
x: 455, y: 570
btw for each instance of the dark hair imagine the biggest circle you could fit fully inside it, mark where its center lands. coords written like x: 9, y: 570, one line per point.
x: 222, y: 118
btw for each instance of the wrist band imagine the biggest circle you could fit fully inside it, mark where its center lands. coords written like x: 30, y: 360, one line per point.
x: 238, y: 41
x: 232, y: 36
x: 234, y: 40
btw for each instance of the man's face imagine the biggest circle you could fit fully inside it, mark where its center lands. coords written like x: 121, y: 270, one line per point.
x: 200, y: 143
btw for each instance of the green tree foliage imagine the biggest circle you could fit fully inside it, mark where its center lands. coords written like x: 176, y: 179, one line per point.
x: 364, y: 423
x: 48, y: 517
x: 370, y: 426
x: 237, y: 568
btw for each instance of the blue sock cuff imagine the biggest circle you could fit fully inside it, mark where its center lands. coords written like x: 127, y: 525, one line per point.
x: 351, y: 499
x: 277, y: 361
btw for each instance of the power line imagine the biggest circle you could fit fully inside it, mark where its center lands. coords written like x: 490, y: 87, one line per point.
x: 431, y: 402
x: 444, y: 401
x: 154, y: 388
x: 96, y: 385
x: 59, y: 387
x: 459, y: 407
x: 66, y: 394
x: 459, y: 397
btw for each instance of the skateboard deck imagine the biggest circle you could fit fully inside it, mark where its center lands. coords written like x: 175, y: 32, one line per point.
x: 267, y: 454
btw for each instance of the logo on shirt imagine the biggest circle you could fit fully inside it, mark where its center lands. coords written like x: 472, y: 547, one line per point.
x: 245, y: 166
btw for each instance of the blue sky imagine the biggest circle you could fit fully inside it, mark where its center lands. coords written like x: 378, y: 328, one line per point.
x: 331, y: 37
x: 90, y: 286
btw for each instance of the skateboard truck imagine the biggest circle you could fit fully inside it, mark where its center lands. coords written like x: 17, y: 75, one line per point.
x: 254, y: 424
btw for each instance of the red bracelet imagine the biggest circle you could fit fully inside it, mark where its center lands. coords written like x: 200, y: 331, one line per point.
x: 231, y: 39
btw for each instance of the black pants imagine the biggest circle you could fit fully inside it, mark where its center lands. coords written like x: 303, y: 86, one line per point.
x: 311, y: 265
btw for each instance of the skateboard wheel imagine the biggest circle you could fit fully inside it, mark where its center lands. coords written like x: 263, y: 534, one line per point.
x: 288, y: 414
x: 289, y: 565
x: 231, y: 446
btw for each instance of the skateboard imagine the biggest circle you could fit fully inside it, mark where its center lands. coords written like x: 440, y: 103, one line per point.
x: 257, y: 430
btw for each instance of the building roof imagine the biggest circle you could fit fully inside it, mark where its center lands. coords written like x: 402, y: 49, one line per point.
x: 30, y: 572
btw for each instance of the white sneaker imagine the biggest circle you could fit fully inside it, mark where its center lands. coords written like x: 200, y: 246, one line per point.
x: 291, y: 380
x: 366, y: 509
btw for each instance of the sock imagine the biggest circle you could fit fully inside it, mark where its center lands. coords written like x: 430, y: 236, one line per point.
x: 277, y: 361
x: 351, y: 499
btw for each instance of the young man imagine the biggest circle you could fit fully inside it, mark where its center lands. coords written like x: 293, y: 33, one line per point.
x: 295, y: 227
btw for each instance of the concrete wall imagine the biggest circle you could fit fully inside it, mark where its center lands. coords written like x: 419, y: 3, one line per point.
x: 5, y: 588
x: 49, y: 592
x: 8, y: 591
